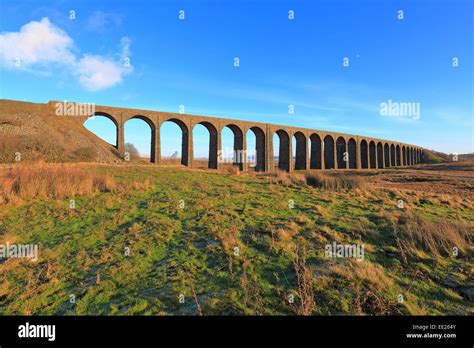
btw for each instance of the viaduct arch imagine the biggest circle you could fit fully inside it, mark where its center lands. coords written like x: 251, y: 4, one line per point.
x: 315, y: 149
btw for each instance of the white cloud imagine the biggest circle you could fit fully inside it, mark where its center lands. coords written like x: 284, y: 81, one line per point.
x: 42, y: 44
x: 36, y: 43
x: 96, y: 73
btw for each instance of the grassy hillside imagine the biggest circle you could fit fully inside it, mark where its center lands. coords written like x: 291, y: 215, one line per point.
x: 432, y: 157
x: 37, y: 134
x: 170, y: 241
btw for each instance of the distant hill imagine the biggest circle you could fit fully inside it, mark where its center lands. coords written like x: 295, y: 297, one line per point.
x: 431, y: 157
x: 38, y: 133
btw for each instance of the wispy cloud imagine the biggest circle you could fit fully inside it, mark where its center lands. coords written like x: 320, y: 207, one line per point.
x: 101, y: 21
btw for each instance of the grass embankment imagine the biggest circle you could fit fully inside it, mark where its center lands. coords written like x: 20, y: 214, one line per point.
x: 433, y: 157
x: 171, y: 241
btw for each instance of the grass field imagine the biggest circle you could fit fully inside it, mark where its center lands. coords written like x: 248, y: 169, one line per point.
x: 144, y: 240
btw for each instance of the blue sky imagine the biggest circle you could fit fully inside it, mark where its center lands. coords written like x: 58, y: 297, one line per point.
x: 299, y: 62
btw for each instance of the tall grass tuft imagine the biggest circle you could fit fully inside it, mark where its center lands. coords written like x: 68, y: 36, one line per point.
x: 321, y: 180
x: 436, y: 237
x: 231, y: 170
x: 286, y: 179
x: 47, y: 180
x: 306, y: 290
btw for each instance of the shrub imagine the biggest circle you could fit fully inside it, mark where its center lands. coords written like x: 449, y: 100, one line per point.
x: 132, y: 151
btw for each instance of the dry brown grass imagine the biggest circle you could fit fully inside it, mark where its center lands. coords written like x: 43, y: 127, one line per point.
x: 231, y: 170
x: 370, y: 282
x: 320, y: 180
x: 46, y: 180
x: 140, y: 185
x: 325, y: 181
x: 365, y: 271
x: 282, y: 177
x: 287, y: 233
x: 286, y: 179
x: 306, y: 289
x: 436, y: 237
x: 9, y: 144
x: 298, y: 179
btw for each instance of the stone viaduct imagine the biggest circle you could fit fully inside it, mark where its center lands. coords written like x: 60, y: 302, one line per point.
x: 315, y: 149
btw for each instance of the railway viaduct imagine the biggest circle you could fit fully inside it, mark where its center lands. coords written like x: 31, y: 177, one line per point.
x: 315, y: 149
